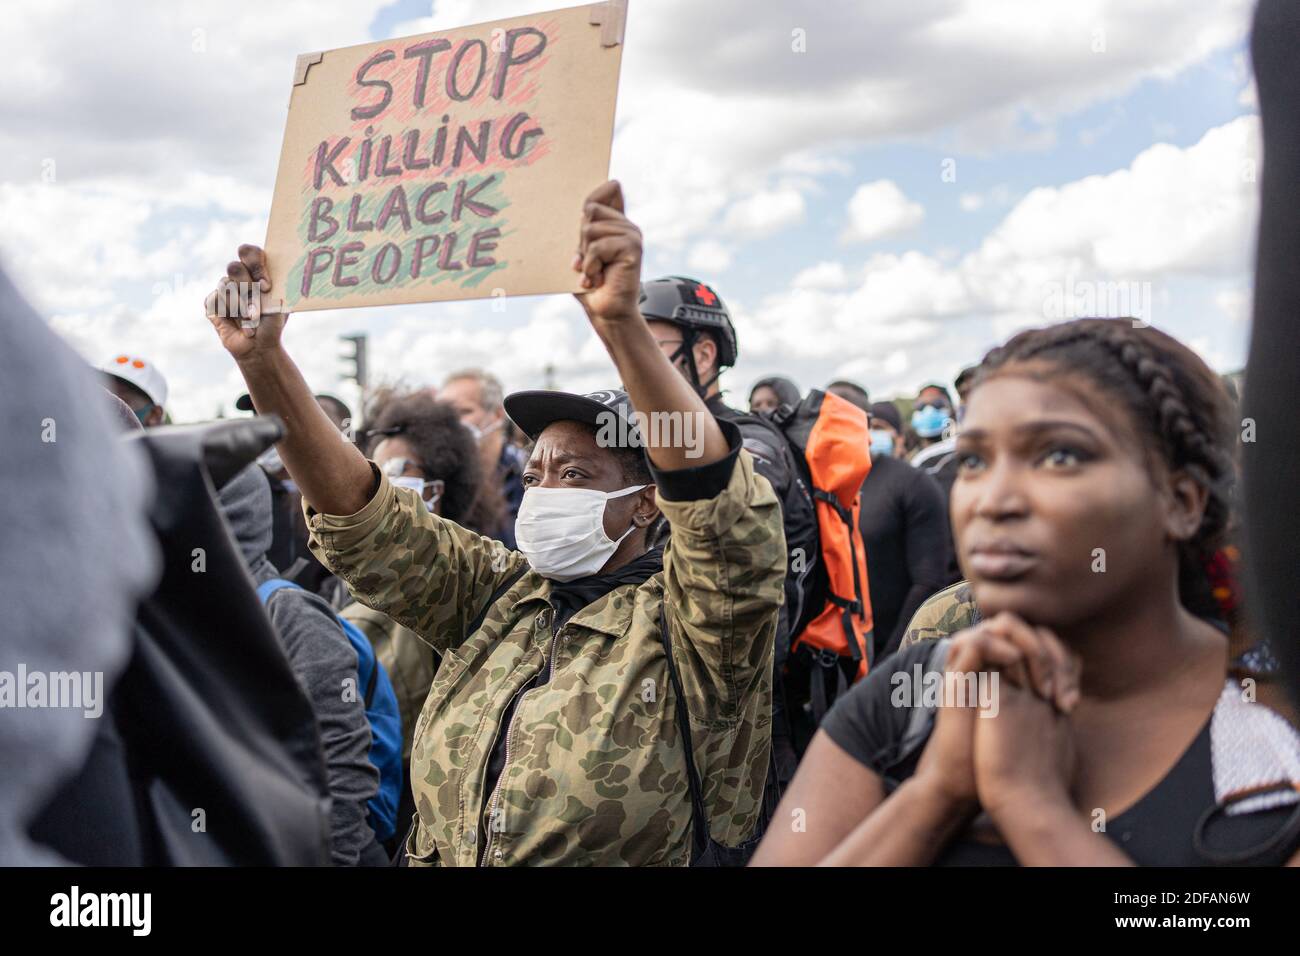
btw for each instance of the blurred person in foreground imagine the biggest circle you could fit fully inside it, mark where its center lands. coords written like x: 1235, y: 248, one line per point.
x: 72, y: 565
x: 1270, y: 465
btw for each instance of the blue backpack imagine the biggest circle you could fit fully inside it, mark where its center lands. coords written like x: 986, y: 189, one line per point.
x: 381, y: 711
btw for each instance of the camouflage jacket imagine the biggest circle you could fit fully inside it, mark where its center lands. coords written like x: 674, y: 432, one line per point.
x: 594, y: 769
x: 942, y: 615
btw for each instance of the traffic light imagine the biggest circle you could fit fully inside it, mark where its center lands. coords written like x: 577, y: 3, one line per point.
x: 358, y: 372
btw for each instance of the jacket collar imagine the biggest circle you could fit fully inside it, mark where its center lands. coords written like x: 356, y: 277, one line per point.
x: 596, y: 616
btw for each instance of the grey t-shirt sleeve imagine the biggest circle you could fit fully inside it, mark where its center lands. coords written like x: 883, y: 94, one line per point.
x: 323, y: 659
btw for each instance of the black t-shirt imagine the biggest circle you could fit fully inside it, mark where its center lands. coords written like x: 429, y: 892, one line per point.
x: 1156, y: 831
x: 904, y: 521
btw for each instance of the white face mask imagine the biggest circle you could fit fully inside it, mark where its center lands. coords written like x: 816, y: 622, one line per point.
x: 418, y: 485
x: 561, y: 531
x: 481, y: 433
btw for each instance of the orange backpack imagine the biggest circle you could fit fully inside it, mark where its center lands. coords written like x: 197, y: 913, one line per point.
x: 832, y: 442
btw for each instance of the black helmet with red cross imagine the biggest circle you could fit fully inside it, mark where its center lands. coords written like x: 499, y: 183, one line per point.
x: 694, y: 307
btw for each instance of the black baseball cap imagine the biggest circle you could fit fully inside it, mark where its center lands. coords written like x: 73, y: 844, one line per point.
x: 533, y: 410
x: 888, y: 412
x: 245, y: 402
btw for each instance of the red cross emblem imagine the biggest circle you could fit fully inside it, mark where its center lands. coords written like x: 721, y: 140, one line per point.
x: 705, y: 295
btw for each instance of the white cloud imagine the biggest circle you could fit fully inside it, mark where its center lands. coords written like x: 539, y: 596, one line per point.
x: 824, y: 275
x: 879, y: 209
x: 999, y: 195
x: 764, y: 213
x: 1172, y: 212
x: 709, y: 256
x: 170, y: 86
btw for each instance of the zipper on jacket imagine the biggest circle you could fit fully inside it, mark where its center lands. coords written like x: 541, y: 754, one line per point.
x: 505, y: 765
x: 487, y: 838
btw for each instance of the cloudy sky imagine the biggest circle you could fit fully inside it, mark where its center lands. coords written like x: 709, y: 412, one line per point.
x: 879, y: 191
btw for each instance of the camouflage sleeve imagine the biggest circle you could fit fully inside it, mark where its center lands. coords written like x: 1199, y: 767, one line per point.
x: 723, y: 573
x: 942, y: 615
x: 425, y: 572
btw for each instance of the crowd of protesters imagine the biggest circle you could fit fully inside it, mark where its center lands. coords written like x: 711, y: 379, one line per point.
x: 468, y: 630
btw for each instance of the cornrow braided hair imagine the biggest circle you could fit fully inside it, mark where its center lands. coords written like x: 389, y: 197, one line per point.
x: 1176, y: 402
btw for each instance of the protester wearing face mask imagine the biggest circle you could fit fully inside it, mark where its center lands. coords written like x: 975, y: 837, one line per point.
x: 554, y: 732
x: 422, y: 444
x: 933, y: 422
x: 477, y: 397
x: 904, y: 523
x: 769, y: 394
x: 886, y: 431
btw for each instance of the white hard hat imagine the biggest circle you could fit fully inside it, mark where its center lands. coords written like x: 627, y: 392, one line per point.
x: 141, y: 373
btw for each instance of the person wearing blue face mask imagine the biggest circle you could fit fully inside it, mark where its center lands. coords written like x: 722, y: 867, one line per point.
x: 934, y: 423
x: 904, y: 524
x: 929, y: 421
x: 886, y: 430
x: 933, y: 418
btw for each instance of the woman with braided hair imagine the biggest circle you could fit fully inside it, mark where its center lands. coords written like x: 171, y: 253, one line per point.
x: 1090, y: 716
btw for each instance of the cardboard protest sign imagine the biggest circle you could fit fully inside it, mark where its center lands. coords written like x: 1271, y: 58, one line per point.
x: 451, y: 165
